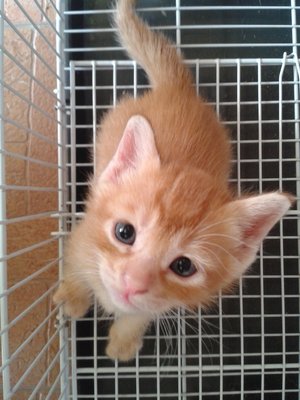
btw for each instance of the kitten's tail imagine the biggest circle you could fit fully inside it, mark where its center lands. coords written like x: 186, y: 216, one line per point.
x: 153, y: 51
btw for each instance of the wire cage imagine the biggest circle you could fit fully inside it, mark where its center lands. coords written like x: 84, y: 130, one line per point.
x: 61, y: 70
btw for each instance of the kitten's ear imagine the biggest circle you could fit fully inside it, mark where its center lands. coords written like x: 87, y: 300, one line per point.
x: 255, y: 216
x: 136, y: 147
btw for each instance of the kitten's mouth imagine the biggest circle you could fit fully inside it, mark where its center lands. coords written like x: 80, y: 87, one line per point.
x: 136, y: 303
x: 123, y: 301
x: 133, y: 303
x: 119, y: 300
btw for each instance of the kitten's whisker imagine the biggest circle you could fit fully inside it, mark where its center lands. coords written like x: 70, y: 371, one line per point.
x: 223, y: 221
x: 189, y: 325
x: 168, y: 339
x: 221, y: 248
x: 242, y: 242
x: 209, y: 323
x: 166, y: 325
x: 214, y: 255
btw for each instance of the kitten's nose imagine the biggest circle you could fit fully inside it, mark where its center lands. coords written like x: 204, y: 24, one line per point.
x: 136, y: 281
x: 136, y: 285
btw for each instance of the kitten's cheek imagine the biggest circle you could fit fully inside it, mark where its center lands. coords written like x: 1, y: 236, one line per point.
x: 107, y: 280
x: 114, y: 295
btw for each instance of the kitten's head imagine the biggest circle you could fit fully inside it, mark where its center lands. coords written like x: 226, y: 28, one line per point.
x: 169, y: 235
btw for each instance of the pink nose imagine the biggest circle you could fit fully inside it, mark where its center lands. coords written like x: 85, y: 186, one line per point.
x: 136, y: 283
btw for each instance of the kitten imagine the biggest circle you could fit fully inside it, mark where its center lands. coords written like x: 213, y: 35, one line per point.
x: 162, y: 227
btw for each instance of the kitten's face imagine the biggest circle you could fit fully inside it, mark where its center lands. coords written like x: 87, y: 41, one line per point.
x: 164, y: 236
x: 163, y: 242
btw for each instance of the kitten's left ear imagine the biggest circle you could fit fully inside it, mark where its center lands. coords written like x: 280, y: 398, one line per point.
x: 136, y: 147
x: 255, y: 216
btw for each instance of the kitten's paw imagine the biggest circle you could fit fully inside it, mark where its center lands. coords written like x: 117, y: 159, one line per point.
x: 74, y: 305
x: 122, y: 347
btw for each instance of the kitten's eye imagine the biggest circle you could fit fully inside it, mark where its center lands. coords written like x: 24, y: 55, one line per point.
x: 183, y: 266
x: 125, y: 233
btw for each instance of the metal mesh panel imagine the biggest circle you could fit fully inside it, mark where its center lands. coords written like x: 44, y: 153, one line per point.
x: 247, y: 346
x: 33, y: 356
x: 203, y: 29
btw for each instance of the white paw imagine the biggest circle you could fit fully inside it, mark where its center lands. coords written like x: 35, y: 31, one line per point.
x: 121, y: 347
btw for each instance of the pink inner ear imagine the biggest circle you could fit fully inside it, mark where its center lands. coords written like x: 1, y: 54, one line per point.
x: 257, y: 228
x: 259, y: 214
x: 127, y: 153
x: 255, y: 217
x: 136, y: 146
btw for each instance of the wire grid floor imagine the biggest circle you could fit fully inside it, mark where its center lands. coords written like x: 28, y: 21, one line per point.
x: 247, y: 346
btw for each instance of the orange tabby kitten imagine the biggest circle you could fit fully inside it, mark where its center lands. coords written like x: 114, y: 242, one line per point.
x: 162, y: 228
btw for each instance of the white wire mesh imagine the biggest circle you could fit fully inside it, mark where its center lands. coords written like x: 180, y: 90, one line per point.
x: 31, y: 65
x: 248, y: 346
x: 215, y: 28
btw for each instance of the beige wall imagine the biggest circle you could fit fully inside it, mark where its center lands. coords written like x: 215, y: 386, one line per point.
x: 22, y: 172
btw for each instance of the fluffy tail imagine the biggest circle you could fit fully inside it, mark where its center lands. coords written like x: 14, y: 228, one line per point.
x: 153, y: 51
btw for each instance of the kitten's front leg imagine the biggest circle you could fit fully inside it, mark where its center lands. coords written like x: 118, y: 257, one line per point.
x: 126, y: 336
x: 74, y: 297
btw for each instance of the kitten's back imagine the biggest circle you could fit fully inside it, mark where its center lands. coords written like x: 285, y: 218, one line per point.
x: 186, y: 129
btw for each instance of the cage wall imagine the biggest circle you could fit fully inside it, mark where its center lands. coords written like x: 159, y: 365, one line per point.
x: 249, y: 344
x: 244, y: 60
x: 31, y: 126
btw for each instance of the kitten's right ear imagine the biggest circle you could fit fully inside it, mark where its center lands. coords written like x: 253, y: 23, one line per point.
x: 137, y: 146
x: 255, y: 216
